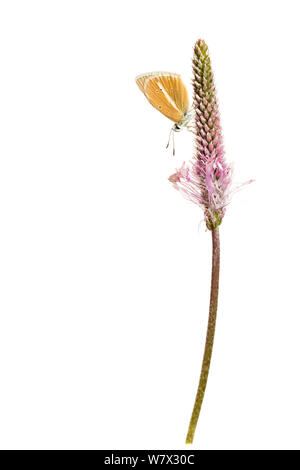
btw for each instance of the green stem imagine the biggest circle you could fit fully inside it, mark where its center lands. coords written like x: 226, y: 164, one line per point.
x: 214, y: 290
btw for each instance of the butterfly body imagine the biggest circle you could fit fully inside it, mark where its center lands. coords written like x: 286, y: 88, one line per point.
x: 167, y: 93
x: 178, y: 126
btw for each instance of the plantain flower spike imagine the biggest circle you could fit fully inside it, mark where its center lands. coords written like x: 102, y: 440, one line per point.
x: 206, y: 179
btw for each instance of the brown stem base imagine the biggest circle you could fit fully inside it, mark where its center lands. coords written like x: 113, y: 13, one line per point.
x: 214, y: 290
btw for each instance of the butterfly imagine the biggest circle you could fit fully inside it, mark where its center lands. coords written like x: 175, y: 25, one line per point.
x: 168, y: 94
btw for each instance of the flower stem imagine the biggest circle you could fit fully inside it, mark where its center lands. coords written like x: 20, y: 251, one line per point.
x: 214, y: 290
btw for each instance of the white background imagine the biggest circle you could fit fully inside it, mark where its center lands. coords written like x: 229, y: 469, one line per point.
x: 104, y: 269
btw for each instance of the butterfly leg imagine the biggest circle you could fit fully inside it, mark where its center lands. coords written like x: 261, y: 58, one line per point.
x: 173, y: 144
x: 171, y: 136
x: 171, y: 131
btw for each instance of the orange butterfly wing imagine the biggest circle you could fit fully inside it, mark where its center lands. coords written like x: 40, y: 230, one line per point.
x: 166, y: 92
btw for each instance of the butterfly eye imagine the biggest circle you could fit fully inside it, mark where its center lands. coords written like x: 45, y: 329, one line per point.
x: 159, y: 107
